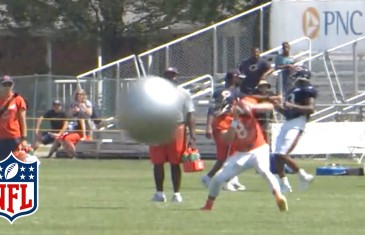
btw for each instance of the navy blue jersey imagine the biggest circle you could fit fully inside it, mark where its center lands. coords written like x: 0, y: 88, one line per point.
x: 253, y: 69
x: 299, y: 96
x: 219, y: 100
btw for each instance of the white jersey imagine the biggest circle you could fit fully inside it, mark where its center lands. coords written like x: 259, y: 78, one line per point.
x: 187, y: 105
x: 88, y: 104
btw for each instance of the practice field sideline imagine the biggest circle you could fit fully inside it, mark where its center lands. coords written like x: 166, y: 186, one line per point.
x: 113, y: 197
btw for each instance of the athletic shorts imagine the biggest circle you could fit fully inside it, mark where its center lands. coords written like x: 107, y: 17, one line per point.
x: 170, y: 152
x: 7, y: 146
x: 221, y: 146
x: 73, y: 137
x: 288, y: 134
x: 47, y: 138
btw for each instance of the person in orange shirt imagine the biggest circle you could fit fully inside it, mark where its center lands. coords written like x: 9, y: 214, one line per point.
x: 248, y: 146
x: 13, y: 126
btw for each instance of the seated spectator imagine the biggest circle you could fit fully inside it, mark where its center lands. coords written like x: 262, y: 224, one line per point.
x: 77, y: 131
x: 264, y: 94
x: 83, y: 106
x: 79, y: 125
x: 58, y: 123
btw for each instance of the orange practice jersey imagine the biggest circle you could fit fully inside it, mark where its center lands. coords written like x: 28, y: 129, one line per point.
x: 218, y: 119
x: 9, y: 122
x: 248, y: 133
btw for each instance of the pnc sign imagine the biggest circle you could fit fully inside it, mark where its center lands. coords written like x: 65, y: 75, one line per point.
x: 311, y: 23
x: 317, y: 23
x: 327, y: 24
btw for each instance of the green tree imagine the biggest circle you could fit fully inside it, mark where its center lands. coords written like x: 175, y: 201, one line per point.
x: 109, y: 21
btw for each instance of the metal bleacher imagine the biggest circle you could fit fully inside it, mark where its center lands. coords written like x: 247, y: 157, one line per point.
x: 113, y: 142
x: 116, y: 143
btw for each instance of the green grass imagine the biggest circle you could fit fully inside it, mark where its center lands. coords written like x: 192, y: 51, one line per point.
x: 113, y: 197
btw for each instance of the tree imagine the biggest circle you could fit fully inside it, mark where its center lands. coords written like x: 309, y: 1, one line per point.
x: 109, y: 21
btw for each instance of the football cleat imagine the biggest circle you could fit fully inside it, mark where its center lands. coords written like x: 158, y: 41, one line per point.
x: 177, y: 198
x: 286, y: 188
x: 239, y: 187
x: 281, y: 202
x: 158, y: 197
x: 229, y: 187
x: 208, y: 205
x: 236, y: 184
x: 304, y: 181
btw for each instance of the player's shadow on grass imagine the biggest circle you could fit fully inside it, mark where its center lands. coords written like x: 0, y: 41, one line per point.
x: 185, y: 209
x: 101, y: 207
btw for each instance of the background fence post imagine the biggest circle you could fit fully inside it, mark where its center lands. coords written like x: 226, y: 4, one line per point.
x: 117, y: 87
x: 262, y: 29
x: 167, y: 61
x: 215, y: 52
x: 355, y: 68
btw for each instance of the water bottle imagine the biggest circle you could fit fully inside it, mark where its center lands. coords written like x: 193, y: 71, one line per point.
x: 185, y: 156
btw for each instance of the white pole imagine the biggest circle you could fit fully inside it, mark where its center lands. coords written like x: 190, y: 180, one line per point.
x: 49, y: 67
x: 99, y: 77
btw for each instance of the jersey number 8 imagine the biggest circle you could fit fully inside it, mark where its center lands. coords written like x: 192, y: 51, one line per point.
x: 241, y: 131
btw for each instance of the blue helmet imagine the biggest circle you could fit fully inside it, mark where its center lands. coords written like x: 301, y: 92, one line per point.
x: 223, y: 100
x: 301, y: 72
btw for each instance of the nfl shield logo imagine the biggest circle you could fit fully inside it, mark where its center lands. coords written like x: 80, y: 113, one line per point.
x: 18, y: 188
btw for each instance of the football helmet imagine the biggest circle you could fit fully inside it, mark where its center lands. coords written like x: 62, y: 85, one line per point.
x: 222, y: 101
x: 301, y: 72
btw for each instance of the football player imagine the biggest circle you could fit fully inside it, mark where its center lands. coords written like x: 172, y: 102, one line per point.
x: 297, y: 107
x: 233, y: 79
x: 241, y: 130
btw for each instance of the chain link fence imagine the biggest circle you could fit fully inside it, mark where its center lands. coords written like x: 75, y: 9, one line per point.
x: 338, y: 76
x: 105, y: 82
x: 212, y: 50
x: 40, y: 91
x: 340, y: 80
x: 336, y: 130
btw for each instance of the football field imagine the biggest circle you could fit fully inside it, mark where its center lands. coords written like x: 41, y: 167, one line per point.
x: 113, y: 197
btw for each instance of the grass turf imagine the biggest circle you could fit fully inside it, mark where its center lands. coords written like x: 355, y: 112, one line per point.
x: 113, y: 197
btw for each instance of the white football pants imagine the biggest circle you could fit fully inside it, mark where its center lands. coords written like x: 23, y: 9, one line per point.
x: 289, y: 132
x: 258, y: 158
